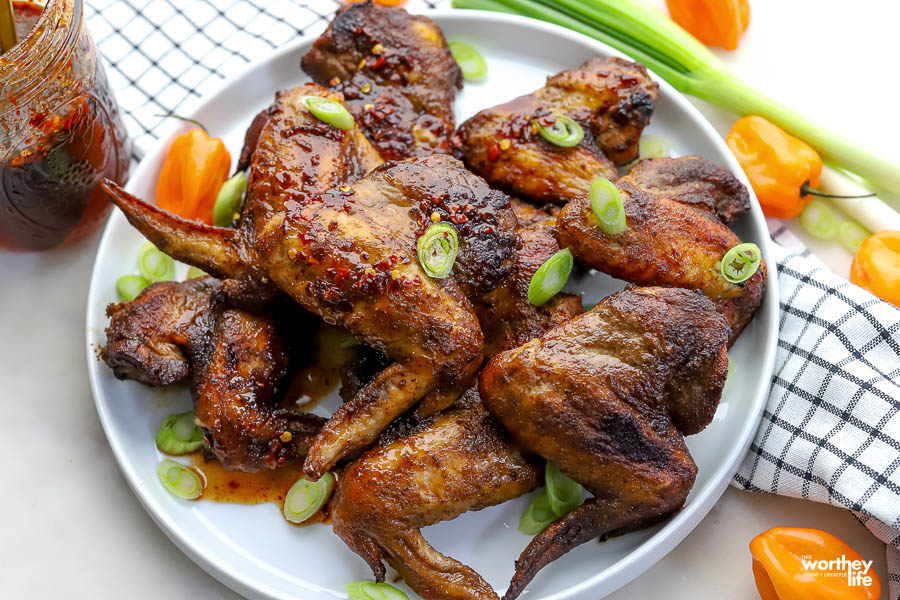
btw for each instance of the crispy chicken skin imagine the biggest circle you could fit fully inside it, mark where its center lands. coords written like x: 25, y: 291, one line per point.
x: 607, y: 396
x: 396, y: 74
x: 611, y: 98
x: 422, y: 473
x: 693, y: 181
x: 667, y: 243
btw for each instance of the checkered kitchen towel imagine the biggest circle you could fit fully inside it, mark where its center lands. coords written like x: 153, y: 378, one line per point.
x: 831, y: 430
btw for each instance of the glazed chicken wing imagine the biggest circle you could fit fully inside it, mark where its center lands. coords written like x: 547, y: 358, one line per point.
x: 611, y: 98
x: 396, y: 74
x: 608, y: 396
x: 672, y: 240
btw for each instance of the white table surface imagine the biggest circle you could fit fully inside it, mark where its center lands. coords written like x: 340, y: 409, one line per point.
x: 70, y: 526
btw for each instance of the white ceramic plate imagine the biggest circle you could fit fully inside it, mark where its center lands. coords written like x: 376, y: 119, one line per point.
x: 250, y: 548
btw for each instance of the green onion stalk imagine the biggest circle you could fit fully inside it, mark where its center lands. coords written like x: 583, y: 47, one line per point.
x: 647, y: 35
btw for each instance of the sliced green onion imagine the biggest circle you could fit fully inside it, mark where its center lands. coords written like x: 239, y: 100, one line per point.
x: 538, y: 515
x: 306, y: 497
x: 230, y: 200
x: 819, y: 221
x: 563, y: 132
x: 129, y: 286
x: 178, y: 434
x: 563, y: 493
x: 851, y: 234
x: 369, y: 590
x: 329, y: 111
x: 348, y: 341
x: 155, y: 265
x: 608, y: 207
x: 652, y: 146
x: 194, y: 273
x: 550, y: 277
x: 741, y: 262
x: 437, y: 249
x: 470, y: 61
x: 180, y: 480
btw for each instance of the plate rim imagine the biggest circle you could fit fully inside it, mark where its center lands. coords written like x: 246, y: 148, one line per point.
x: 616, y: 575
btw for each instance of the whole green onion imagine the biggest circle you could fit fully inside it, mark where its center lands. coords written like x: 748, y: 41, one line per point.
x: 306, y: 497
x: 851, y: 234
x: 563, y: 132
x: 550, y: 277
x: 646, y: 34
x: 180, y: 480
x: 470, y: 61
x: 538, y: 515
x: 129, y: 286
x: 178, y: 434
x: 329, y: 111
x: 741, y: 262
x: 819, y: 221
x: 230, y: 200
x: 369, y: 590
x: 155, y: 265
x: 608, y: 206
x: 563, y: 493
x: 437, y: 249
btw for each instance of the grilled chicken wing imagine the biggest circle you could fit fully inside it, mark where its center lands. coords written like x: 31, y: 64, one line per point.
x: 669, y: 241
x: 611, y: 98
x: 174, y: 331
x: 607, y: 396
x: 396, y: 74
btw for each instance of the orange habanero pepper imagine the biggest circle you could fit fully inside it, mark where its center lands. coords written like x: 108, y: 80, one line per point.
x: 876, y: 266
x: 713, y: 22
x: 792, y: 563
x: 194, y: 170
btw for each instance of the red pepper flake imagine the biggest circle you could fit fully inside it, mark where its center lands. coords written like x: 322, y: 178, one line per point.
x: 341, y: 276
x: 493, y: 153
x: 379, y: 62
x: 334, y: 81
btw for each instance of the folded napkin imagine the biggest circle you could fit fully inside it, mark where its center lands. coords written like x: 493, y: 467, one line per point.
x: 831, y: 428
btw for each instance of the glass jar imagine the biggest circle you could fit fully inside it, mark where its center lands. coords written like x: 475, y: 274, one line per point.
x: 61, y: 132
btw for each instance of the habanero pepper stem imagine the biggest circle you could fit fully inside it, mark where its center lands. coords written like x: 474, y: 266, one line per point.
x: 645, y: 34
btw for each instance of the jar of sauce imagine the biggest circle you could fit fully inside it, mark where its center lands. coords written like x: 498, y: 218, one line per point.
x: 61, y: 131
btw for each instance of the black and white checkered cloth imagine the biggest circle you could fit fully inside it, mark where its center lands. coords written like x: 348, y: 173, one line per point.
x: 831, y: 429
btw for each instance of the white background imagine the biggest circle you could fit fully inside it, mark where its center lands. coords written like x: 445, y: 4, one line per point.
x: 71, y: 528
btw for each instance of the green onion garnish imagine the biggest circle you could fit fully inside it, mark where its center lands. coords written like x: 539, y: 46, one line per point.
x: 652, y: 146
x: 538, y: 515
x: 741, y: 262
x: 178, y: 434
x: 194, y: 273
x: 551, y: 277
x: 851, y: 234
x: 470, y: 61
x: 563, y: 493
x: 230, y: 200
x: 180, y: 480
x: 369, y: 590
x: 437, y: 249
x: 563, y: 132
x: 155, y: 265
x: 329, y: 111
x: 608, y: 207
x: 819, y: 221
x: 306, y: 497
x: 129, y: 286
x: 348, y: 341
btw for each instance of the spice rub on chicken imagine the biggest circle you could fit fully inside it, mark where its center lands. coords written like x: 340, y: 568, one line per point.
x: 396, y: 74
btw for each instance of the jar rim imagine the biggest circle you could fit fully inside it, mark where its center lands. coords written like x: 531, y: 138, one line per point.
x: 22, y: 70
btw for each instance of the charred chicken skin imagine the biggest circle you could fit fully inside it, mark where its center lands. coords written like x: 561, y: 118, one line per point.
x: 611, y: 98
x: 608, y: 397
x: 235, y: 362
x: 672, y: 239
x: 395, y: 72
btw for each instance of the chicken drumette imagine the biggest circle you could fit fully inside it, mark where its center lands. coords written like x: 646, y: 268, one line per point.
x: 396, y: 74
x: 611, y: 98
x: 608, y: 396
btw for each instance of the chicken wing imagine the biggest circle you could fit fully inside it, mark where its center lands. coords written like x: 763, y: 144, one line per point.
x: 607, y: 396
x: 396, y: 74
x: 611, y: 98
x: 669, y: 241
